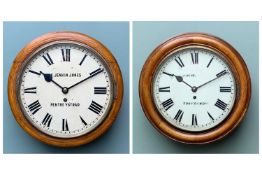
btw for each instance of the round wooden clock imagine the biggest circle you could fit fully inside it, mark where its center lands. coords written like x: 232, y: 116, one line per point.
x: 195, y: 88
x: 65, y: 89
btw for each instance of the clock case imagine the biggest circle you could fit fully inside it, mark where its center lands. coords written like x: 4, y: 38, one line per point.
x: 239, y: 70
x: 84, y: 40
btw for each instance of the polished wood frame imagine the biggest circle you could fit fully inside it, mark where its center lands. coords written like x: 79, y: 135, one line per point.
x: 27, y: 52
x: 239, y: 70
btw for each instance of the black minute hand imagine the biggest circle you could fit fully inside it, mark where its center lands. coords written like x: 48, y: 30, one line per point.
x: 92, y: 74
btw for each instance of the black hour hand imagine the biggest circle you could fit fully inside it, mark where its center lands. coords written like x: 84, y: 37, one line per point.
x: 48, y: 77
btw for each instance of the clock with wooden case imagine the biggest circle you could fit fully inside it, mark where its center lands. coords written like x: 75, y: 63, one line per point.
x: 65, y: 89
x: 195, y: 88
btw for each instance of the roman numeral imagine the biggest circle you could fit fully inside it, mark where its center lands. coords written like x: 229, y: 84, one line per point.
x: 31, y: 90
x: 97, y: 71
x: 221, y: 73
x: 64, y: 125
x: 99, y: 90
x: 168, y: 74
x: 66, y: 54
x: 179, y: 115
x: 47, y: 120
x: 34, y: 72
x: 95, y: 107
x: 48, y: 59
x: 194, y: 119
x: 83, y: 121
x: 210, y: 62
x: 83, y: 59
x: 210, y: 116
x: 164, y: 89
x: 179, y: 62
x: 34, y: 107
x: 194, y: 57
x: 220, y: 104
x: 225, y: 89
x: 168, y: 104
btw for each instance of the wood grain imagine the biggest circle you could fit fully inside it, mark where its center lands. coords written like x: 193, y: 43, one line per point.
x: 26, y: 53
x: 239, y: 70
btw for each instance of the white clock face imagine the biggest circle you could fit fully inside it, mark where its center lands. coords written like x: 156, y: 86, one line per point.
x: 194, y: 89
x: 65, y: 89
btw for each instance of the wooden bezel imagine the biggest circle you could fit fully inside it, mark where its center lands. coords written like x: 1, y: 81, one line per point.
x: 117, y: 81
x: 237, y: 66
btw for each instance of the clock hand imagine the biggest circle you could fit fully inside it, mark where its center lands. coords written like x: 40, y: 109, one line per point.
x: 92, y: 74
x: 179, y: 79
x: 218, y: 76
x: 49, y: 78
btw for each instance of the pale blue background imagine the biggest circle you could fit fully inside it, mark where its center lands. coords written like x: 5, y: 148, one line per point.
x: 115, y: 36
x: 244, y: 37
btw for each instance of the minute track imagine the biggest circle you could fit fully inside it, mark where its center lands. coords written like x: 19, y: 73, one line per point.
x: 198, y: 98
x: 57, y: 85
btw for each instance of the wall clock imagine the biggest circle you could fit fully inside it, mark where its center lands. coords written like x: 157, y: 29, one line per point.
x: 65, y: 89
x: 195, y: 88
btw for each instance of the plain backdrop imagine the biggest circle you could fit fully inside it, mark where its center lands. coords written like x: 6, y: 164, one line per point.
x: 115, y: 36
x: 130, y: 10
x: 243, y: 36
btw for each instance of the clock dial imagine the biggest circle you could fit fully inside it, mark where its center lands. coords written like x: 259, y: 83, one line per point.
x: 65, y: 89
x: 194, y: 89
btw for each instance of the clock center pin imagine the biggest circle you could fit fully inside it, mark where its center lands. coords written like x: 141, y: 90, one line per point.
x: 194, y: 89
x: 65, y: 90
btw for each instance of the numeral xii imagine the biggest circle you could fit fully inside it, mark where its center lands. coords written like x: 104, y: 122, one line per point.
x: 194, y: 57
x: 66, y: 54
